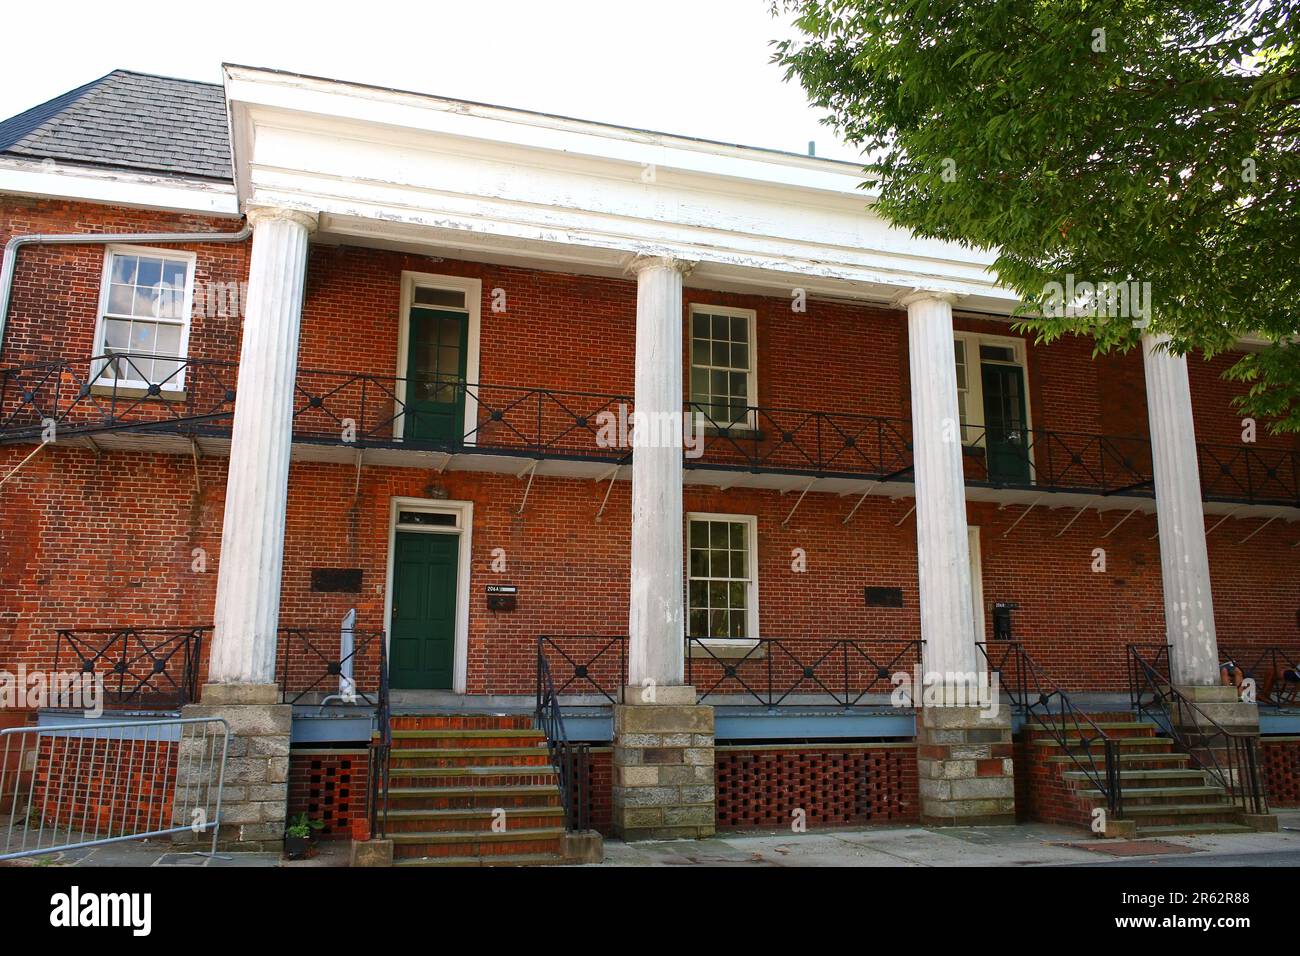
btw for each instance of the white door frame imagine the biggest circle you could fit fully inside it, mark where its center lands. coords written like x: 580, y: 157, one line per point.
x: 464, y: 512
x: 473, y: 289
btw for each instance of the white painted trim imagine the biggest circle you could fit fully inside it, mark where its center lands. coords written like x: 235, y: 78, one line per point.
x: 751, y: 379
x: 117, y: 187
x: 177, y: 255
x: 975, y: 385
x: 752, y: 615
x: 464, y: 511
x: 976, y: 579
x: 473, y: 289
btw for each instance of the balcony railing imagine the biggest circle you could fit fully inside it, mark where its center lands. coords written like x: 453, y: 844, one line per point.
x: 197, y: 396
x: 144, y: 668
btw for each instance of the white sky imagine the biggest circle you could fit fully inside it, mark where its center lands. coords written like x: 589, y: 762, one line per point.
x: 695, y: 67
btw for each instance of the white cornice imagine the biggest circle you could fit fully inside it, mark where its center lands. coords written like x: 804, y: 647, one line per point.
x: 46, y: 179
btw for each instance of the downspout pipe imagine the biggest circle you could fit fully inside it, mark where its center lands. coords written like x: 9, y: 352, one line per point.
x: 15, y: 243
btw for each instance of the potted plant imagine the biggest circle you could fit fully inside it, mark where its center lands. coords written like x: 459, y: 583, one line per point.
x: 297, y: 836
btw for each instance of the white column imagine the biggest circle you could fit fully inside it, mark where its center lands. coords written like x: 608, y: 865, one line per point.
x: 252, y: 536
x: 1184, y: 563
x: 656, y: 613
x: 943, y: 555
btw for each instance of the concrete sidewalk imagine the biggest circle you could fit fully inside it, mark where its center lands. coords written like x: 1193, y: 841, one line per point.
x: 912, y: 846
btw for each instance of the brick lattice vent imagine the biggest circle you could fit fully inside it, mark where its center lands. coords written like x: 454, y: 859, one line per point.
x: 1280, y: 762
x: 835, y: 785
x: 329, y: 786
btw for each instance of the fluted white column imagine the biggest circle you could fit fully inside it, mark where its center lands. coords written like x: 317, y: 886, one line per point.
x: 1184, y: 562
x: 943, y: 555
x: 656, y: 613
x: 252, y: 537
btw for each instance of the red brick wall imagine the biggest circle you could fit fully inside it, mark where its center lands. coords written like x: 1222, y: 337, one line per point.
x: 105, y: 786
x: 330, y: 786
x: 851, y: 785
x: 93, y: 541
x: 1280, y: 763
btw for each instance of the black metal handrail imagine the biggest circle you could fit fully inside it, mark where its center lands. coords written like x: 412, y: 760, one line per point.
x: 197, y: 396
x: 312, y: 657
x: 1275, y: 671
x: 769, y: 670
x: 572, y: 761
x: 148, y: 667
x: 1232, y: 759
x: 114, y: 392
x: 1036, y: 697
x: 381, y: 749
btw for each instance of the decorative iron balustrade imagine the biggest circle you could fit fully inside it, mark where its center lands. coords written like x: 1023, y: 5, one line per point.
x: 315, y: 666
x: 113, y: 392
x: 149, y: 668
x: 770, y: 671
x: 1042, y: 701
x: 582, y: 664
x: 1274, y: 670
x: 1232, y: 759
x: 361, y: 410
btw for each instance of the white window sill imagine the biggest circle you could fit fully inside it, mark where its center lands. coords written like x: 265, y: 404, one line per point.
x: 138, y: 391
x: 726, y: 648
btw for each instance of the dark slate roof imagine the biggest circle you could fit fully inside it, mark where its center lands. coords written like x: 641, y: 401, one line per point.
x: 130, y: 121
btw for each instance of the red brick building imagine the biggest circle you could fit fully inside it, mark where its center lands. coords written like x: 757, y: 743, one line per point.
x: 454, y: 307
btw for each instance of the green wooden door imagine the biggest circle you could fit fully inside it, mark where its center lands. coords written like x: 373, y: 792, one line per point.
x: 1006, y: 439
x: 422, y: 649
x: 435, y: 375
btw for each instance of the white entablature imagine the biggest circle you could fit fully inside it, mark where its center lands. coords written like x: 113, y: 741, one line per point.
x: 407, y: 170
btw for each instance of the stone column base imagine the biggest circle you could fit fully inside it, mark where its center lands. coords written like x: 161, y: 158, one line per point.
x: 255, y: 797
x: 1222, y: 704
x: 964, y: 767
x: 663, y: 766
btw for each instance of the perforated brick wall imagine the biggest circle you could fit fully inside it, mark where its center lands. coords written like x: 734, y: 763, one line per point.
x: 834, y: 785
x: 1280, y: 759
x: 331, y: 786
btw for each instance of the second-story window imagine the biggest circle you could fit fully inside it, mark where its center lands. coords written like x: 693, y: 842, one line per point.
x: 723, y: 365
x: 144, y: 316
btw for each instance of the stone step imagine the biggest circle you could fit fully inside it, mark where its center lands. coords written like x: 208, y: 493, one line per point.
x: 1192, y: 829
x: 1134, y: 761
x: 1144, y: 778
x: 476, y: 776
x: 1125, y: 743
x: 430, y: 758
x: 490, y: 797
x: 442, y: 733
x: 1164, y: 796
x: 461, y: 722
x: 404, y: 740
x: 1133, y: 728
x: 475, y: 820
x: 436, y: 843
x: 518, y: 859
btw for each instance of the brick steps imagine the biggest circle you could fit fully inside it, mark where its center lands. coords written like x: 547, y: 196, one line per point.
x: 1163, y: 793
x: 450, y: 774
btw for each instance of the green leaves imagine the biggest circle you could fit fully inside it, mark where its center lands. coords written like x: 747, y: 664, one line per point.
x: 1153, y: 140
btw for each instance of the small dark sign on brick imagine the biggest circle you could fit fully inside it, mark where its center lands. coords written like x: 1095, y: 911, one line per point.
x: 345, y: 580
x: 884, y: 597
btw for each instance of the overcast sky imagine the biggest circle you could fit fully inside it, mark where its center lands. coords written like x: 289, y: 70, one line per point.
x: 696, y: 67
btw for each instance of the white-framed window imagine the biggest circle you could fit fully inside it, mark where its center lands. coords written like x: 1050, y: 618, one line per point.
x: 722, y: 576
x: 724, y: 364
x: 972, y: 352
x: 143, y: 327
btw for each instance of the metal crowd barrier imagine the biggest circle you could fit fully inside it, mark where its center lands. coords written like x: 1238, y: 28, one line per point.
x: 91, y: 782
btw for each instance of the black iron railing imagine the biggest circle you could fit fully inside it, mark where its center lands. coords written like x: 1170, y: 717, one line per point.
x: 381, y: 749
x: 770, y: 671
x: 114, y: 392
x: 313, y: 663
x: 1274, y: 671
x: 146, y: 667
x: 197, y: 396
x: 1232, y: 759
x: 583, y: 664
x: 572, y: 761
x: 1042, y: 701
